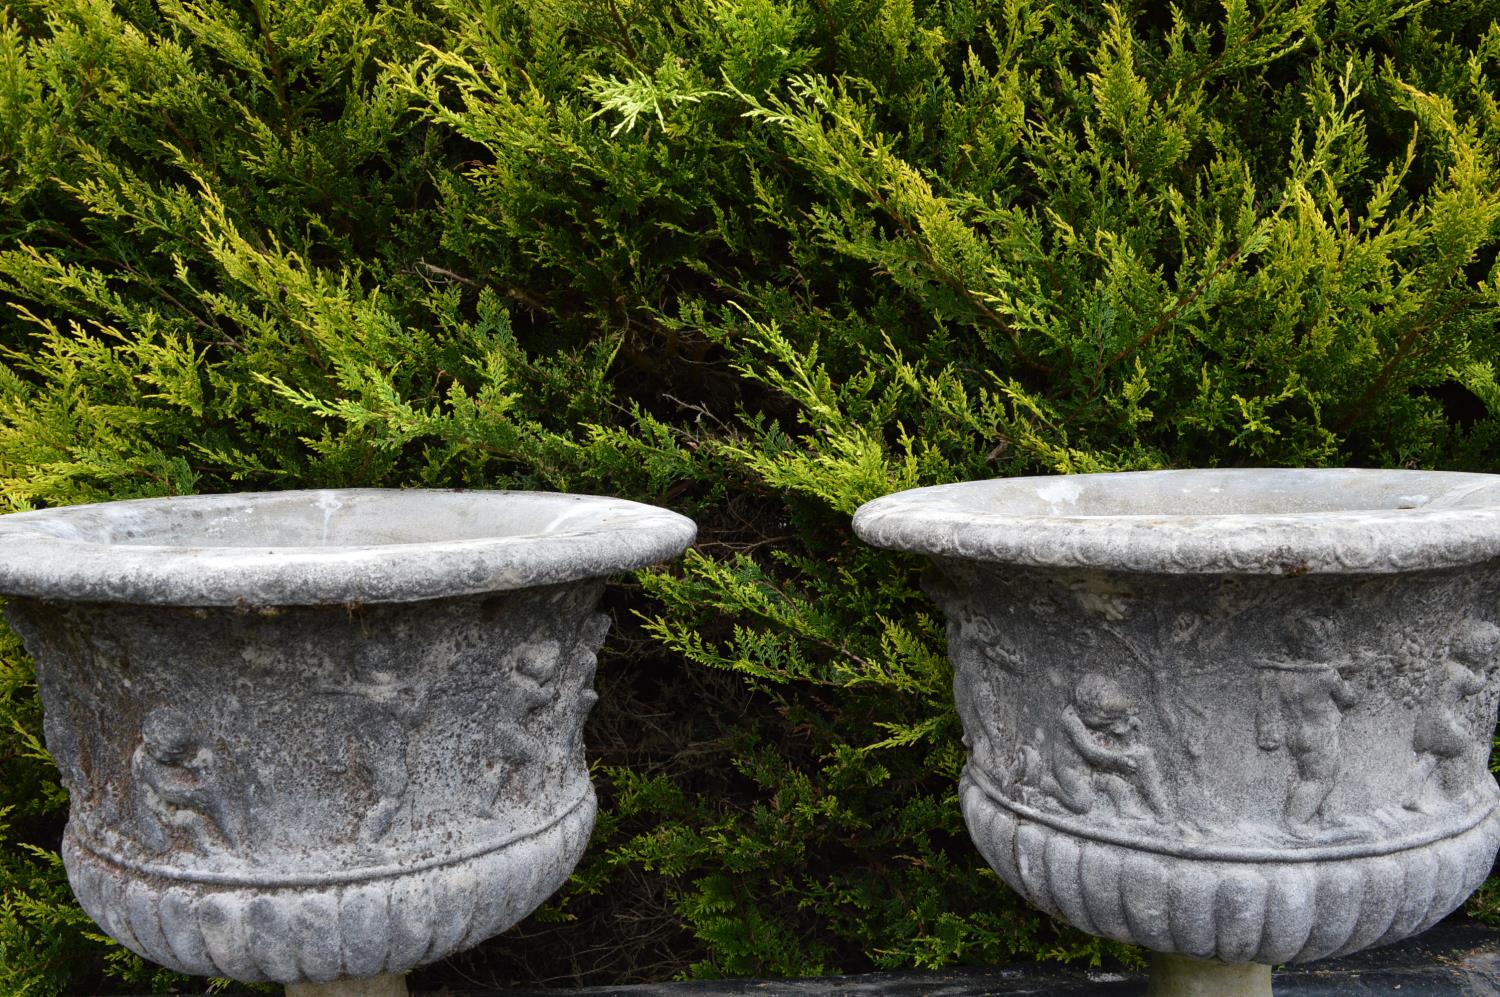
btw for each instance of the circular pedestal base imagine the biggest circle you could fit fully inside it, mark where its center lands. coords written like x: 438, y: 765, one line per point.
x: 393, y: 985
x: 1177, y: 976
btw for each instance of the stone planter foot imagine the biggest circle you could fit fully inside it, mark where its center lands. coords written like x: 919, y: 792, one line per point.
x: 1179, y: 976
x: 392, y: 985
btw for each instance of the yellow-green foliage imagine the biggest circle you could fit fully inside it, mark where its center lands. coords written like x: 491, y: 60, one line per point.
x: 760, y: 261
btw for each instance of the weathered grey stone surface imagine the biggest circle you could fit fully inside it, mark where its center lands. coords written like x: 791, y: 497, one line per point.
x: 1242, y: 521
x: 1233, y: 715
x: 322, y: 735
x: 328, y: 547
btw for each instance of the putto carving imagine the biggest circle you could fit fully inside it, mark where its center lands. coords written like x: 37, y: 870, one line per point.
x: 582, y: 661
x: 1303, y: 697
x: 1445, y: 734
x: 185, y: 793
x: 976, y: 640
x: 516, y: 763
x: 385, y: 708
x: 545, y: 685
x: 1101, y: 758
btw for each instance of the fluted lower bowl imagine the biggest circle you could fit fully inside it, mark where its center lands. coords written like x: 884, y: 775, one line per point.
x: 318, y: 928
x: 1233, y: 910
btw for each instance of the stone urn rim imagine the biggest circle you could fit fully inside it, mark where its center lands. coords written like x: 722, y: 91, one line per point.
x: 328, y: 546
x: 1245, y: 521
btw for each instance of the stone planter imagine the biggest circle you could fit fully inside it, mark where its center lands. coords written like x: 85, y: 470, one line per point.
x: 319, y: 736
x: 1241, y: 717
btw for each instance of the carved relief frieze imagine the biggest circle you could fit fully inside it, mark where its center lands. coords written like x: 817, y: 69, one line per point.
x: 1219, y: 710
x: 421, y: 745
x: 327, y: 735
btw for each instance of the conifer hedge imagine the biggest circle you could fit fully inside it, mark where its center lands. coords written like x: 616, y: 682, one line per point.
x: 758, y: 261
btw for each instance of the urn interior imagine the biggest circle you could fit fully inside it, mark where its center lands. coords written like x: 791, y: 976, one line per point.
x: 328, y: 547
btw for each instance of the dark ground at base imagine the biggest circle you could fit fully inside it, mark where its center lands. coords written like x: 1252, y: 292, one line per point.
x: 1455, y: 959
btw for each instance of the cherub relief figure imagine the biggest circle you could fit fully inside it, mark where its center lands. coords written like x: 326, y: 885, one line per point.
x: 1302, y: 702
x: 1442, y: 738
x: 181, y: 785
x: 582, y: 661
x: 1100, y: 755
x: 976, y: 645
x: 377, y: 742
x: 530, y: 686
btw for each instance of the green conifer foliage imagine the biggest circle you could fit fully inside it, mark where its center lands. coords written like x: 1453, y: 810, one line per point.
x: 760, y: 261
